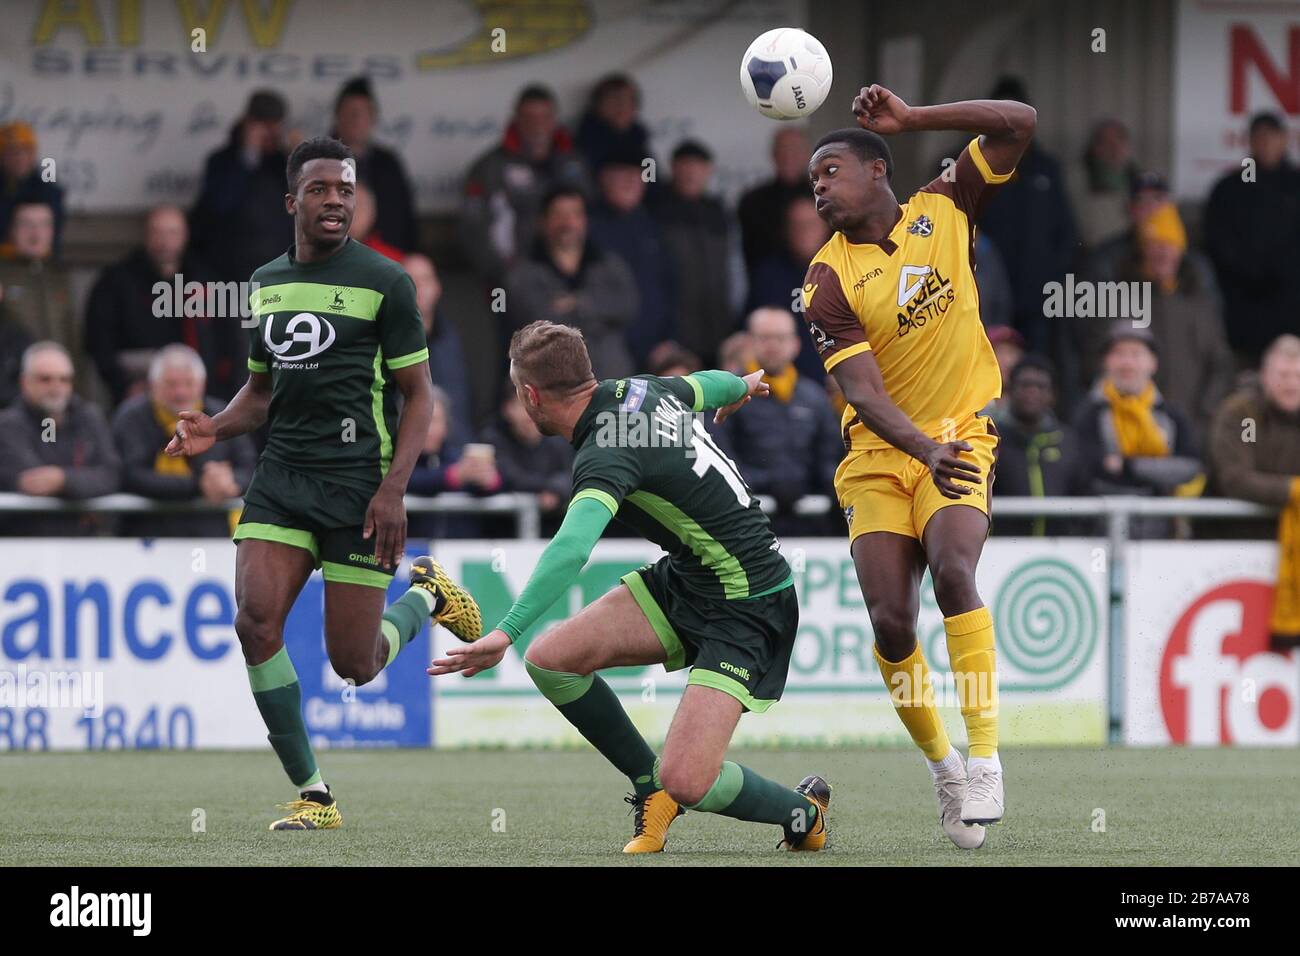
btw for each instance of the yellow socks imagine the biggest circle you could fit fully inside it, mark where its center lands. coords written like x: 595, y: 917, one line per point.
x: 974, y: 667
x: 908, y: 683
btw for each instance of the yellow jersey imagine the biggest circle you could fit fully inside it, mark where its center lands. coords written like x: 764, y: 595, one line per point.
x: 911, y: 299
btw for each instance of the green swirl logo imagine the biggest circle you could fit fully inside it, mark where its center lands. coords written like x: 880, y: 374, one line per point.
x: 1046, y: 622
x: 935, y: 646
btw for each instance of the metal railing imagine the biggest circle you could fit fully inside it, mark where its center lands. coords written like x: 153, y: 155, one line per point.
x: 1094, y: 506
x: 1119, y: 510
x: 522, y: 506
x: 527, y: 514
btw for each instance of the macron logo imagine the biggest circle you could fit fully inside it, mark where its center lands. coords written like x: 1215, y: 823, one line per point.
x: 103, y: 909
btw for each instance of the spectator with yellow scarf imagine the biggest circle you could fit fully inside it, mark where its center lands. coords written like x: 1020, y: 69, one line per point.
x: 142, y: 427
x: 1131, y: 440
x: 787, y: 444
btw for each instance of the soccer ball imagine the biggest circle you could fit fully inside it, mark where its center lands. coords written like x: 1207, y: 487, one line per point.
x: 785, y: 74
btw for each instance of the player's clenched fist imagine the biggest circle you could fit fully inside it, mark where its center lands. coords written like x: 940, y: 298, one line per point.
x: 879, y: 110
x: 195, y: 434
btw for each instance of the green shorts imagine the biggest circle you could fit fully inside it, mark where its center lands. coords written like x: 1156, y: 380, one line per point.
x: 321, y: 516
x: 741, y: 648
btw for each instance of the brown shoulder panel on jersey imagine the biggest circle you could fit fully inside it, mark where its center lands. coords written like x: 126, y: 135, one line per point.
x: 967, y: 185
x: 837, y: 331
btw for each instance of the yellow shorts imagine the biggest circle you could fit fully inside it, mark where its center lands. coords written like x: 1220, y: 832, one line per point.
x: 888, y: 490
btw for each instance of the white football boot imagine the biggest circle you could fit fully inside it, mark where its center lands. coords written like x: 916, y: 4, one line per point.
x: 984, y: 796
x: 950, y: 788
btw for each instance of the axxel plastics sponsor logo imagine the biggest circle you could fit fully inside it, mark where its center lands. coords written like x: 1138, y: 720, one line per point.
x: 303, y: 336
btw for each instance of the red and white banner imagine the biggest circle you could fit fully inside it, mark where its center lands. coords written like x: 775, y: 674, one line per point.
x: 1234, y: 58
x: 1198, y: 669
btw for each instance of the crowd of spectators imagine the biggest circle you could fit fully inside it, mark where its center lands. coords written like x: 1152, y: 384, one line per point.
x: 662, y: 275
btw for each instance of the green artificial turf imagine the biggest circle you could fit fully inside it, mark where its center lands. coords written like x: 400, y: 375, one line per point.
x: 1162, y: 807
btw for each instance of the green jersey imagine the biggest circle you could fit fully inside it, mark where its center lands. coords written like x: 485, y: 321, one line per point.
x: 330, y: 333
x: 643, y: 453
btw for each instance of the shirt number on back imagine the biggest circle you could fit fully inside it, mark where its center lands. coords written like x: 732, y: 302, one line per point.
x: 709, y: 455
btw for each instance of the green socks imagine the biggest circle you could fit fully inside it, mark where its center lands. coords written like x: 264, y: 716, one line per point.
x: 404, y: 618
x: 740, y: 793
x: 588, y: 703
x: 279, y: 699
x: 279, y: 696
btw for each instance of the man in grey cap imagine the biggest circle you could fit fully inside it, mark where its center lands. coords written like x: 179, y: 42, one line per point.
x: 1131, y: 440
x: 239, y: 221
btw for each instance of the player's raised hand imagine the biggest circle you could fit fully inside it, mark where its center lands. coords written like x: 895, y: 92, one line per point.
x: 195, y: 434
x: 386, y: 522
x: 946, y: 467
x: 469, y: 659
x: 754, y: 385
x: 880, y: 111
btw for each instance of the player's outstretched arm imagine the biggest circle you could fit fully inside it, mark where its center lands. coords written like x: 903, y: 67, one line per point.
x: 1005, y: 125
x: 859, y: 379
x: 246, y: 412
x: 556, y: 570
x: 716, y: 389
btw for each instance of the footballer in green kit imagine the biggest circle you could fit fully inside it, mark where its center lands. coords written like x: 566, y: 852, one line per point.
x: 722, y: 601
x: 337, y: 336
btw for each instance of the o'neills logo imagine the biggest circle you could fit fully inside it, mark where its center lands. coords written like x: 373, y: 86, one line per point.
x: 364, y: 558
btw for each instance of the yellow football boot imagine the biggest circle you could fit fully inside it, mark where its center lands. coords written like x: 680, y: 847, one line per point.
x: 654, y: 815
x: 818, y: 792
x: 453, y: 606
x: 310, y: 813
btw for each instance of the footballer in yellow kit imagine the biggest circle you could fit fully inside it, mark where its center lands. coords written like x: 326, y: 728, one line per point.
x: 893, y: 309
